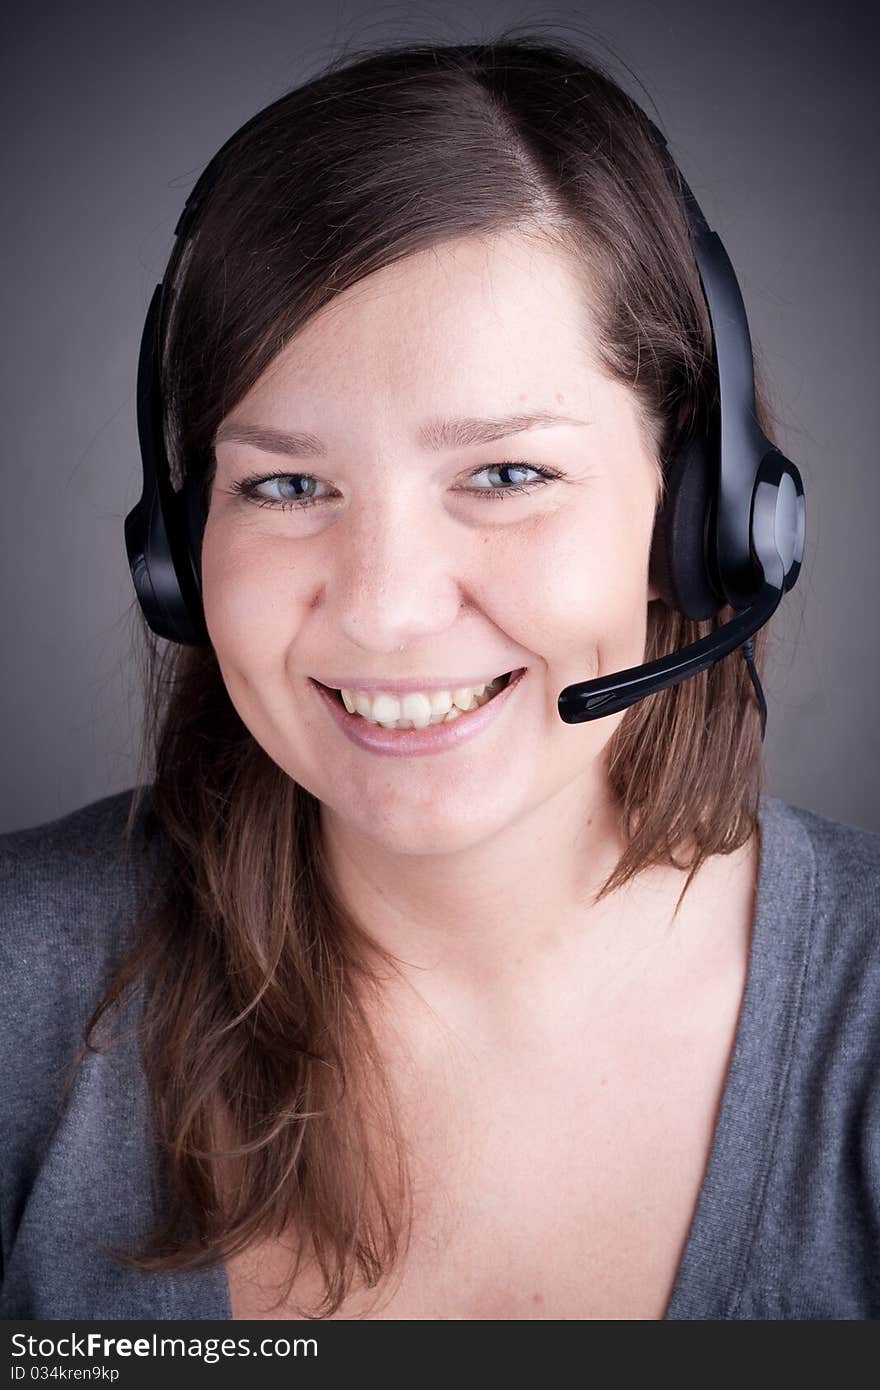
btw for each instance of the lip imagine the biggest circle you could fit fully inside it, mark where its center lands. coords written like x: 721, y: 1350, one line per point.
x: 413, y: 743
x: 404, y: 687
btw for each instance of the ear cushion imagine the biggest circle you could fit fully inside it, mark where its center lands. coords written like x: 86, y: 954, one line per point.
x: 679, y: 565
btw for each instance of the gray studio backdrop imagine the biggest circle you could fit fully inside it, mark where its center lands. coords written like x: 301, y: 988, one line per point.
x: 111, y: 112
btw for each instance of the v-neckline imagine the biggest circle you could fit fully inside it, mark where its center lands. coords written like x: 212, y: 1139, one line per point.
x: 713, y: 1269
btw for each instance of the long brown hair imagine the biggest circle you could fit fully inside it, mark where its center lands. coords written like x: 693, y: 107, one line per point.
x: 268, y: 1095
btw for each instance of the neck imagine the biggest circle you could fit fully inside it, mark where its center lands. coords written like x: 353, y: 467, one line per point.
x: 504, y: 921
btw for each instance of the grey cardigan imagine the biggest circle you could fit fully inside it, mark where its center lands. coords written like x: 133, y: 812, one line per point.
x: 787, y: 1224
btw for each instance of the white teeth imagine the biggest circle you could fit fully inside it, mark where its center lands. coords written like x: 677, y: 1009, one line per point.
x: 418, y: 709
x: 441, y: 703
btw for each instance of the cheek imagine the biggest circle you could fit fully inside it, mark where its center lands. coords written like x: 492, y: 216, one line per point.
x: 580, y: 586
x: 249, y: 614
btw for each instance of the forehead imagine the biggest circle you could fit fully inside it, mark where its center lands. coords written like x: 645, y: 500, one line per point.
x: 504, y: 315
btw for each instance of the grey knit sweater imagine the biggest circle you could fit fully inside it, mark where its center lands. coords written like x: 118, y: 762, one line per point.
x: 787, y: 1224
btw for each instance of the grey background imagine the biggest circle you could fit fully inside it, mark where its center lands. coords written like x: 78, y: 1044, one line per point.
x: 111, y: 112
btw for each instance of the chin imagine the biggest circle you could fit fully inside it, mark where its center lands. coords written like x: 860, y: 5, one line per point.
x: 437, y: 833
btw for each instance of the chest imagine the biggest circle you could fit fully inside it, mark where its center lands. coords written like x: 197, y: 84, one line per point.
x: 573, y: 1200
x: 557, y: 1183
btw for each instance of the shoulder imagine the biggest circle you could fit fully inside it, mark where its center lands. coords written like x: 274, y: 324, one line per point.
x: 70, y: 892
x: 836, y: 862
x: 822, y: 933
x: 841, y: 847
x: 73, y: 862
x: 87, y: 834
x: 818, y: 945
x: 70, y: 889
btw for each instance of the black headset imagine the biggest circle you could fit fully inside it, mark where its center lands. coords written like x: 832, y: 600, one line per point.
x: 729, y: 531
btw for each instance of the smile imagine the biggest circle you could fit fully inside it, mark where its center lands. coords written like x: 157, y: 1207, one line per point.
x: 417, y: 722
x: 418, y: 708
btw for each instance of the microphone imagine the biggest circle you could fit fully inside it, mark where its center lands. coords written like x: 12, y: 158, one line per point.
x: 776, y: 522
x: 608, y: 694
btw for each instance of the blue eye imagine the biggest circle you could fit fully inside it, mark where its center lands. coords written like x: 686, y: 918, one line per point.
x: 544, y: 475
x: 247, y: 487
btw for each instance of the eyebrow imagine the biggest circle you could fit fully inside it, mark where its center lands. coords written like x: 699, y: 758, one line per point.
x: 455, y: 432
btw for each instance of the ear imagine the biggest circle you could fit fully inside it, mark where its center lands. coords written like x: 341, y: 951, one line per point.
x: 652, y: 592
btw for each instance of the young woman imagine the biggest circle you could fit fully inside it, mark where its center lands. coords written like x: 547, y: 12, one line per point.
x: 444, y: 1007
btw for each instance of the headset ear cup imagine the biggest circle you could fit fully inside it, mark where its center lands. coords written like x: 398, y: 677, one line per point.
x: 678, y: 566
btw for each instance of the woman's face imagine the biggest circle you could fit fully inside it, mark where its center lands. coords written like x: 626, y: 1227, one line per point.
x: 415, y: 559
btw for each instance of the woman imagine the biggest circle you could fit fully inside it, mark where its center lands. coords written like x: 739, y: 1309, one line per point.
x: 451, y: 1021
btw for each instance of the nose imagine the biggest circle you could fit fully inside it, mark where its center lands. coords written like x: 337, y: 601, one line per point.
x: 393, y: 574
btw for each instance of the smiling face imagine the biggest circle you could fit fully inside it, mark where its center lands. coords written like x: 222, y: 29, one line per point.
x: 415, y: 559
